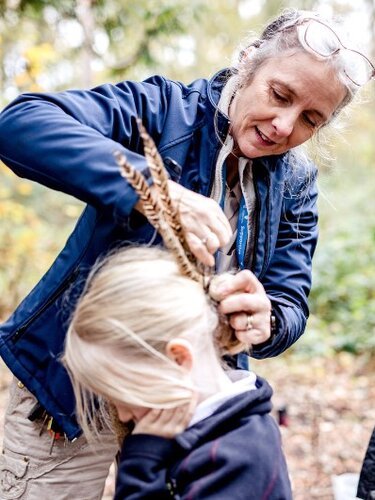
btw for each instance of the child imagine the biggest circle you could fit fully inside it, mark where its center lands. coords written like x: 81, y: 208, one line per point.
x: 148, y: 339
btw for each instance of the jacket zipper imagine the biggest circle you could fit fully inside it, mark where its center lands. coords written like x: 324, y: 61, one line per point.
x: 256, y: 224
x: 64, y: 285
x: 268, y: 236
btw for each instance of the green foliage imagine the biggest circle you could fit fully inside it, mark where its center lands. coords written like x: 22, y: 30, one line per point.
x: 88, y: 42
x: 34, y: 224
x: 343, y: 296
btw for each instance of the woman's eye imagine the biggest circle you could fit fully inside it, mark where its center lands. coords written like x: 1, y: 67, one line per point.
x: 309, y: 121
x: 279, y: 97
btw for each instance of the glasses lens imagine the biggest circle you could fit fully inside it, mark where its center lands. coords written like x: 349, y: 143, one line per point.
x: 324, y: 41
x: 356, y: 67
x: 321, y: 39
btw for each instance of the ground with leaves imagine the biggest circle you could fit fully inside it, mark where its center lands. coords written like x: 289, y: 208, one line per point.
x: 330, y: 416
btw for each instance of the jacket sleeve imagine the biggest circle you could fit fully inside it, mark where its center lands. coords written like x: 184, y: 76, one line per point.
x: 287, y: 280
x: 66, y: 140
x: 142, y: 471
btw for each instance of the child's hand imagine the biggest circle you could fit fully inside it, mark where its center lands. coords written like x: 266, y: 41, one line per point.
x: 165, y: 423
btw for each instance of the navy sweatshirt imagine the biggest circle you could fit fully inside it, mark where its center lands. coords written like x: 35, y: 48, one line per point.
x: 234, y: 454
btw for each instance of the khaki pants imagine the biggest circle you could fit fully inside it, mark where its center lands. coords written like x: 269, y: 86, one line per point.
x: 72, y: 471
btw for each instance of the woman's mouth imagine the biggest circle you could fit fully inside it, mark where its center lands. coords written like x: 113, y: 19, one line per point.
x: 263, y: 138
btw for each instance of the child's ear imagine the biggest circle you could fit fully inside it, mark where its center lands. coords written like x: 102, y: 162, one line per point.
x: 181, y: 352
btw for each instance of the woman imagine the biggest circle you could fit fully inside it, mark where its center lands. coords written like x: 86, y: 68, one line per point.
x: 229, y: 147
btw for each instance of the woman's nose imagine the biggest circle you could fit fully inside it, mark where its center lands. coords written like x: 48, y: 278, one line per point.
x: 284, y: 123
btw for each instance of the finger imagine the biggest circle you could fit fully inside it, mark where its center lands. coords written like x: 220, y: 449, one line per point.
x: 197, y: 211
x: 243, y: 281
x: 203, y: 226
x: 252, y: 303
x: 212, y: 242
x: 181, y: 414
x: 193, y: 402
x: 207, y: 210
x: 252, y: 337
x: 199, y: 250
x: 239, y: 321
x: 220, y: 226
x: 186, y: 414
x: 151, y: 416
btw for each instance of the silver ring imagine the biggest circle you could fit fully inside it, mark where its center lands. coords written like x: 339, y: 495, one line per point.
x: 204, y: 241
x: 249, y: 324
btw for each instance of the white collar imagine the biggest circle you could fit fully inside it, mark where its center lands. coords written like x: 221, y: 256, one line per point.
x: 242, y: 381
x: 227, y: 94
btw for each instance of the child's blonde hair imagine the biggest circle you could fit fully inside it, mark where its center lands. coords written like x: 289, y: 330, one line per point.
x: 133, y: 304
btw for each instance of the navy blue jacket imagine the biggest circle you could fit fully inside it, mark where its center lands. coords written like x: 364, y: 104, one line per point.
x: 66, y: 141
x: 233, y: 454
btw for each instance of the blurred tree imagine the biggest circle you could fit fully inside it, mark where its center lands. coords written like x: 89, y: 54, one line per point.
x: 48, y: 45
x: 114, y: 35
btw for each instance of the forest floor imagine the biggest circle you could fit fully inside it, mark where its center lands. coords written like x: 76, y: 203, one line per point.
x: 330, y: 415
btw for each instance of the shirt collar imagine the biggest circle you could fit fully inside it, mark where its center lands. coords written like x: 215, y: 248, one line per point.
x: 207, y: 407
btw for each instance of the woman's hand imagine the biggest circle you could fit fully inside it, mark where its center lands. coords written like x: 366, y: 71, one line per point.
x: 205, y: 225
x: 243, y: 298
x: 166, y: 423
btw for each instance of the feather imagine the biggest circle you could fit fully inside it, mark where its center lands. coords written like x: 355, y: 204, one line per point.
x: 160, y: 177
x: 151, y: 207
x: 155, y: 215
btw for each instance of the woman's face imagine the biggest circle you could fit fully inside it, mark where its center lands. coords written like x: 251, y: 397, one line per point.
x: 289, y: 98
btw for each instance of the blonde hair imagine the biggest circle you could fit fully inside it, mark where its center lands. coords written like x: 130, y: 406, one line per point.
x: 133, y: 304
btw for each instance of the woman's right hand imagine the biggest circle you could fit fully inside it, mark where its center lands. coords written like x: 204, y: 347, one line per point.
x: 206, y: 227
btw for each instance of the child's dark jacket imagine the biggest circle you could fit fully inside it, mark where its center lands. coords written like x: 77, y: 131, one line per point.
x: 366, y: 486
x: 235, y: 454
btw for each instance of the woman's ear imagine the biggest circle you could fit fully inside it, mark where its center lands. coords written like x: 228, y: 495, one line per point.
x: 181, y: 352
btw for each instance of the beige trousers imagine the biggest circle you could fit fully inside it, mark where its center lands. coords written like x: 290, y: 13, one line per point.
x: 29, y: 470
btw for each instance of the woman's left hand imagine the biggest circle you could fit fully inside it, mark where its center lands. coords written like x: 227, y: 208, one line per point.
x: 244, y: 300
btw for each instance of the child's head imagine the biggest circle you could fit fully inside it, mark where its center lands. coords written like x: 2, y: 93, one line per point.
x: 138, y: 332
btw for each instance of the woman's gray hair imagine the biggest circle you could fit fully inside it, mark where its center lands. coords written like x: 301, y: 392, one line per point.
x: 281, y: 36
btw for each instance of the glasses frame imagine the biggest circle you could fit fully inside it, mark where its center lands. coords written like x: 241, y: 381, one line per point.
x: 309, y: 20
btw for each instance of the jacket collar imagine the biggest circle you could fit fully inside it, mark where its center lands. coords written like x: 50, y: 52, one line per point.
x: 214, y: 91
x: 249, y: 403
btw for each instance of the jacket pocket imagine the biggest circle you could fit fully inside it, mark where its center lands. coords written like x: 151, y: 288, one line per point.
x: 51, y: 299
